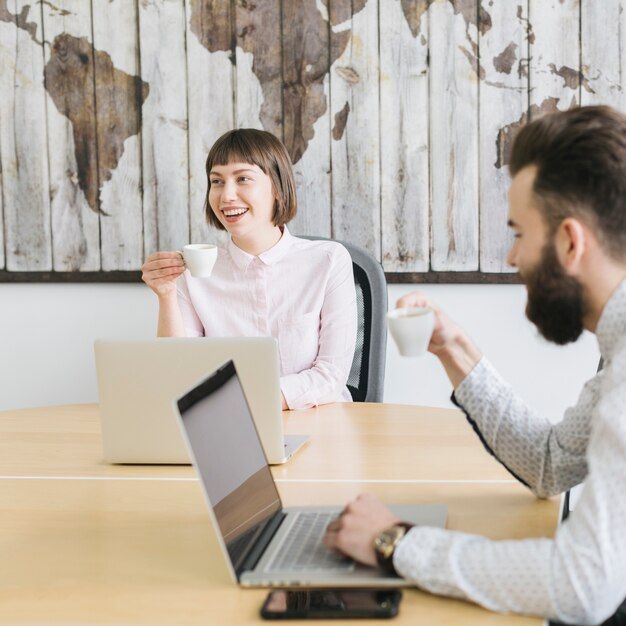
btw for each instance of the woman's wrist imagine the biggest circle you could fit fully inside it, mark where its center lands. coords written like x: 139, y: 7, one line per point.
x: 170, y: 318
x: 168, y: 303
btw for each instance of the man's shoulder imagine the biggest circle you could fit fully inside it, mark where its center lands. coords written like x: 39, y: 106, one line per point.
x: 614, y: 370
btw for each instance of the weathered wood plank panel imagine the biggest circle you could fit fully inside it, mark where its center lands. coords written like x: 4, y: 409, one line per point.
x: 603, y: 39
x: 554, y: 69
x: 404, y: 137
x: 306, y: 113
x: 313, y: 179
x: 69, y: 79
x: 258, y: 67
x: 23, y: 139
x: 313, y: 182
x: 503, y: 97
x: 355, y: 113
x: 120, y: 94
x: 210, y: 93
x: 405, y: 109
x: 454, y: 135
x: 164, y: 128
x: 4, y: 64
x: 2, y: 258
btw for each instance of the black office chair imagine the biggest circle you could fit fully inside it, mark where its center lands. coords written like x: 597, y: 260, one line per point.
x: 367, y: 374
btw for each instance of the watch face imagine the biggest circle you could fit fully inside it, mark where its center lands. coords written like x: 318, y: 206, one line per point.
x: 387, y: 540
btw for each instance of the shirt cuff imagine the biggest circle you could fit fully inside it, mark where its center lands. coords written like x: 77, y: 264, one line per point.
x: 295, y: 397
x: 423, y: 557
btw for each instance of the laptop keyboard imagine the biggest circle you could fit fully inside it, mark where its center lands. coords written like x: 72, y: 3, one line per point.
x: 303, y: 549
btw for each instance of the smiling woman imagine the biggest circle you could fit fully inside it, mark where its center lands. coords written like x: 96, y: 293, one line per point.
x: 242, y: 201
x: 265, y: 282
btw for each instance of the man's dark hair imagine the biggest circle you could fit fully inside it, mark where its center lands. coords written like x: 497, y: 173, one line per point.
x: 580, y: 156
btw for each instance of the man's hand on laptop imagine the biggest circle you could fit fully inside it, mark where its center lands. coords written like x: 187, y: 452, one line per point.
x: 354, y: 531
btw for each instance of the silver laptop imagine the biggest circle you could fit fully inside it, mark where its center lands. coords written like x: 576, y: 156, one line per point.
x: 138, y: 381
x: 264, y: 544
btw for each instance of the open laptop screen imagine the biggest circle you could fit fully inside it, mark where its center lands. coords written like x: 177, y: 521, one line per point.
x: 228, y: 454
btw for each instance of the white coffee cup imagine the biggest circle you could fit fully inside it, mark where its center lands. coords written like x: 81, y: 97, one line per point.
x: 200, y: 258
x: 411, y: 329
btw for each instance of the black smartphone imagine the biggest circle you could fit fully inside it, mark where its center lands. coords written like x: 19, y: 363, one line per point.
x: 331, y: 603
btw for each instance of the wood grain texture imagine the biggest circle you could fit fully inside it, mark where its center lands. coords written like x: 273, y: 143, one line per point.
x: 446, y: 278
x: 107, y: 534
x: 454, y: 136
x: 347, y: 440
x: 144, y: 553
x: 554, y: 60
x: 26, y: 199
x: 313, y: 180
x: 2, y: 255
x: 602, y: 37
x: 258, y: 66
x: 120, y: 94
x: 382, y: 429
x: 306, y: 42
x: 210, y: 97
x: 355, y: 157
x: 70, y: 277
x: 503, y: 98
x: 404, y: 138
x: 164, y: 126
x: 71, y: 117
x: 399, y: 116
x: 306, y: 62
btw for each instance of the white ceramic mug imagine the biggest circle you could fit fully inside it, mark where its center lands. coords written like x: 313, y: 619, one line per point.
x: 411, y: 329
x: 200, y: 258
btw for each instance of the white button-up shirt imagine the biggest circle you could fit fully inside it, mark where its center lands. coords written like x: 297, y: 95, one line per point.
x: 580, y: 575
x: 302, y: 293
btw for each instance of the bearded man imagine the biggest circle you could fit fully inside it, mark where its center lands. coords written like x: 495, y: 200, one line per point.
x: 567, y: 209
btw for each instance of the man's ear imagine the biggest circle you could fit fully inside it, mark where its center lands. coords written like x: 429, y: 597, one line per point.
x: 571, y: 241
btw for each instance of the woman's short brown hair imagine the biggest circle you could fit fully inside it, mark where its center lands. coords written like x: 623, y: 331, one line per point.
x: 261, y: 148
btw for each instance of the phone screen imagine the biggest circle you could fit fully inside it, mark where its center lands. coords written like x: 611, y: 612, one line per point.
x: 326, y: 603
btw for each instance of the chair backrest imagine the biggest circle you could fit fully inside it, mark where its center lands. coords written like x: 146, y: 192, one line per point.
x: 367, y: 374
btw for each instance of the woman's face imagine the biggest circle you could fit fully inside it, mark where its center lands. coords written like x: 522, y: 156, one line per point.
x: 242, y: 198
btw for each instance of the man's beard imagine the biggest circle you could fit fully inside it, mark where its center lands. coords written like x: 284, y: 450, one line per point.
x: 555, y: 300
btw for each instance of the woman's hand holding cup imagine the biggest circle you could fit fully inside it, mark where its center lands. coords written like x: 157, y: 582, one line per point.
x: 160, y: 271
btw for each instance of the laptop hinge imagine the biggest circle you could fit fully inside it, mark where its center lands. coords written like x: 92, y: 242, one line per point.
x: 262, y: 541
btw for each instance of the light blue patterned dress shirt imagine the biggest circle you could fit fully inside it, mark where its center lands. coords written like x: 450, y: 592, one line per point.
x: 580, y: 575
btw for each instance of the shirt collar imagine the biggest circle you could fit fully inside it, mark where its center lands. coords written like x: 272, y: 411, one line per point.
x: 612, y: 323
x: 243, y: 259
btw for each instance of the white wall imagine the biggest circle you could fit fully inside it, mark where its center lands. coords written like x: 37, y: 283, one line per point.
x: 548, y: 377
x: 47, y: 333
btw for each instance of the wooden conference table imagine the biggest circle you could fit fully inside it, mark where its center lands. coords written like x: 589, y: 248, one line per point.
x: 82, y: 542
